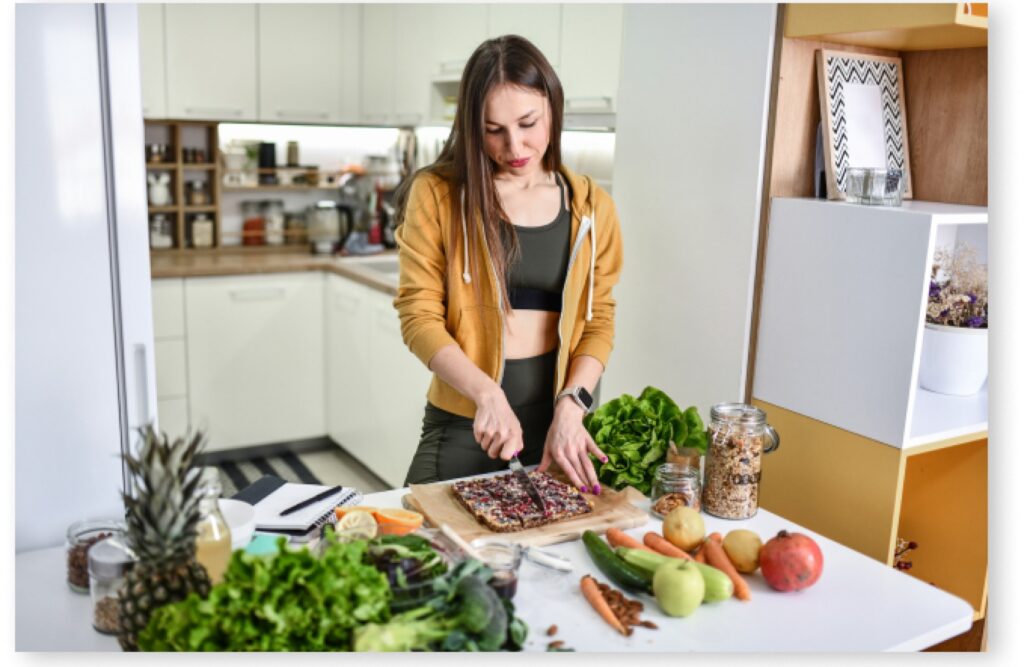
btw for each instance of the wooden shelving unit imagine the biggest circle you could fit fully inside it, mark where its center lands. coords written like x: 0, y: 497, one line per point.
x: 177, y: 136
x: 914, y: 464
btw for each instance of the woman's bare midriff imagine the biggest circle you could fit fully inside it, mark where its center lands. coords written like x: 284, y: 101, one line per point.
x: 530, y: 333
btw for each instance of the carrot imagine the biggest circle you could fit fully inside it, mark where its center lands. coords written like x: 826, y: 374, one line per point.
x: 664, y: 547
x: 617, y: 538
x: 700, y: 557
x: 593, y: 595
x: 717, y: 557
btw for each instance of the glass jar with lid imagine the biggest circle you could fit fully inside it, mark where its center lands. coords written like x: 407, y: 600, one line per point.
x: 252, y: 223
x: 273, y: 221
x: 81, y: 536
x: 738, y: 436
x: 109, y: 562
x: 198, y: 193
x: 675, y: 485
x: 161, y: 232
x: 202, y: 231
x: 213, y: 537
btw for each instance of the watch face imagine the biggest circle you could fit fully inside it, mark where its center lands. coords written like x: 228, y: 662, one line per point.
x: 586, y: 398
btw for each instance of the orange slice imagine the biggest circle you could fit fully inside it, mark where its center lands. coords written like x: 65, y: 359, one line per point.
x: 397, y: 521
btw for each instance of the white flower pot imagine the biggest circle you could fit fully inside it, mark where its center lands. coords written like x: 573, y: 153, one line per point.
x: 954, y: 360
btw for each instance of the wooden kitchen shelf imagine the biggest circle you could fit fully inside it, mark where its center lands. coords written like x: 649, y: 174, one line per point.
x: 897, y: 27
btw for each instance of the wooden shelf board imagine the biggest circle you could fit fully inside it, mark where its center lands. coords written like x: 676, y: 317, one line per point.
x: 167, y: 166
x: 163, y: 209
x: 289, y: 188
x: 198, y: 166
x: 940, y: 421
x: 201, y: 209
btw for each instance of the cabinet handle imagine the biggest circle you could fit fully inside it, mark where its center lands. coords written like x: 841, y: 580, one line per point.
x: 345, y: 304
x: 258, y: 294
x: 601, y: 103
x: 452, y: 66
x: 141, y: 386
x: 316, y: 115
x: 213, y: 111
x: 375, y: 118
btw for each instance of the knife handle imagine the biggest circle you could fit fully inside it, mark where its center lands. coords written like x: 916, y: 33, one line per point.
x: 548, y: 560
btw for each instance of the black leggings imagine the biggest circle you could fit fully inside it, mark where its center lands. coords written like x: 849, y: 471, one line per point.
x: 447, y: 446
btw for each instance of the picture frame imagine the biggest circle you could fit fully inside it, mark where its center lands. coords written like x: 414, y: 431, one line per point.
x: 863, y: 116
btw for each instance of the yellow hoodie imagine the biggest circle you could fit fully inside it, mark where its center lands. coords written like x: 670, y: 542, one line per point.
x: 435, y: 313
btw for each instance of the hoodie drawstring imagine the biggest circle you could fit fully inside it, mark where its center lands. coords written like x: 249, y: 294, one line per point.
x: 465, y: 243
x: 593, y: 254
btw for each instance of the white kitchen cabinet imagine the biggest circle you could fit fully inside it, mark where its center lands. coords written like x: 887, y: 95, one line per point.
x: 255, y: 357
x: 539, y: 23
x: 169, y: 357
x: 172, y: 416
x: 398, y: 387
x: 415, y: 63
x: 307, y: 56
x: 211, y: 61
x: 589, y: 59
x: 168, y: 308
x: 350, y: 419
x: 377, y: 91
x: 457, y: 30
x: 151, y: 60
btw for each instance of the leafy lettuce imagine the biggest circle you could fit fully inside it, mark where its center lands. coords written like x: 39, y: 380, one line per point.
x: 634, y: 433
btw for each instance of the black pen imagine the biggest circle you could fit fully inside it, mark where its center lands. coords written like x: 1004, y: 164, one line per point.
x: 309, y: 501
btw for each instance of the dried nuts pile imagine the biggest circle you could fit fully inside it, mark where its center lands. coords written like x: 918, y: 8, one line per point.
x: 626, y: 610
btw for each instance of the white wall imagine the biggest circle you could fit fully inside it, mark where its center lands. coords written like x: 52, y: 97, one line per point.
x: 690, y: 137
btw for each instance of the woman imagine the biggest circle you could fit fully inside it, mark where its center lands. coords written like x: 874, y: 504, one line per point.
x: 507, y: 262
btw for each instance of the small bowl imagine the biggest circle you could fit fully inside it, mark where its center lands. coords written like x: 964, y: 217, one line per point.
x: 241, y: 520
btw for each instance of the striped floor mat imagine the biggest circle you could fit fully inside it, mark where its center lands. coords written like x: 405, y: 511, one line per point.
x: 236, y: 475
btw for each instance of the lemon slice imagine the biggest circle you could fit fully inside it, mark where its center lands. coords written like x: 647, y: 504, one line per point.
x: 357, y: 524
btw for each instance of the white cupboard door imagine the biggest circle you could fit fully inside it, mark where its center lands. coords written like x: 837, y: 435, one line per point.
x: 211, y: 61
x: 151, y: 60
x: 168, y: 308
x: 350, y: 421
x: 398, y: 386
x: 458, y: 30
x: 591, y: 46
x: 169, y: 360
x: 415, y: 63
x: 299, y: 55
x: 541, y: 24
x: 255, y: 358
x: 348, y: 70
x: 377, y: 89
x: 172, y: 416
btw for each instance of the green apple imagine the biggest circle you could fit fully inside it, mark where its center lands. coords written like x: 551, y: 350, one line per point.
x: 678, y: 587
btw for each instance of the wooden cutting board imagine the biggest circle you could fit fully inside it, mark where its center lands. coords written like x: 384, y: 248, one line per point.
x: 612, y: 509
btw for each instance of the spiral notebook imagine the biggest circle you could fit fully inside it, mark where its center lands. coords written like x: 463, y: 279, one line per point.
x: 270, y: 495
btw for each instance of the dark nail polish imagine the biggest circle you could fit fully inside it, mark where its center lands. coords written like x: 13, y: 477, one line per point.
x: 604, y: 460
x: 583, y: 489
x: 597, y: 489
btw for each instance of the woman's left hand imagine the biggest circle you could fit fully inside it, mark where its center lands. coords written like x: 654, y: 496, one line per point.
x: 569, y: 444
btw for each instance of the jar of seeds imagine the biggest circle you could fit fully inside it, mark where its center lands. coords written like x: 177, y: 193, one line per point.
x: 109, y: 561
x: 81, y: 536
x: 738, y: 436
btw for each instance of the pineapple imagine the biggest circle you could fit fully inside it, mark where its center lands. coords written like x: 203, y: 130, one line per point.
x: 162, y: 508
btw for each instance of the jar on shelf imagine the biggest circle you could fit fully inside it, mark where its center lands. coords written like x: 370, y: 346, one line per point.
x: 81, y: 536
x: 109, y: 562
x: 252, y: 223
x: 738, y: 436
x: 273, y: 221
x: 198, y: 193
x: 161, y: 232
x: 295, y: 227
x: 213, y: 537
x: 675, y: 485
x: 202, y: 231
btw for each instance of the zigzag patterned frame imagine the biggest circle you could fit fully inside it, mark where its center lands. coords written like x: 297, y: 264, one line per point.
x: 837, y: 68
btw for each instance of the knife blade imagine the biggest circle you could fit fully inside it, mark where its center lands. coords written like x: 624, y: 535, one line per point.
x: 531, y: 489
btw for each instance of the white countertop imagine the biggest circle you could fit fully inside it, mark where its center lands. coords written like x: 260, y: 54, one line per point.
x: 858, y: 605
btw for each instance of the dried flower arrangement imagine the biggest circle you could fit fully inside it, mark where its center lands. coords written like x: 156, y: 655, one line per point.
x: 958, y: 293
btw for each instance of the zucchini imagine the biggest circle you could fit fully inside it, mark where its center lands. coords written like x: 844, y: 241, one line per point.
x: 623, y: 574
x: 717, y: 585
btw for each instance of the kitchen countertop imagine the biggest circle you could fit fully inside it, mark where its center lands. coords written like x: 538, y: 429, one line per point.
x: 858, y: 605
x: 377, y: 271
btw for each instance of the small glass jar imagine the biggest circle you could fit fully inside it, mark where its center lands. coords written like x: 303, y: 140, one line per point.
x: 202, y: 231
x: 273, y: 221
x: 161, y: 232
x: 213, y: 537
x: 198, y: 193
x: 675, y: 485
x: 81, y: 536
x: 295, y: 227
x: 109, y: 562
x: 503, y: 557
x: 252, y: 223
x: 738, y: 435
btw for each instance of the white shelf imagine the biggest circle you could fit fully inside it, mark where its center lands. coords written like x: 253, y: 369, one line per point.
x: 938, y: 417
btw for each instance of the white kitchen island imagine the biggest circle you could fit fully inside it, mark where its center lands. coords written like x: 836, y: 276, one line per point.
x: 858, y: 605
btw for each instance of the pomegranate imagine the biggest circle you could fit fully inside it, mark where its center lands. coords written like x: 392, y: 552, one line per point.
x: 791, y: 561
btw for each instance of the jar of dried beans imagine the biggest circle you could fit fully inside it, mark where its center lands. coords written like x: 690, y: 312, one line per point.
x: 738, y: 436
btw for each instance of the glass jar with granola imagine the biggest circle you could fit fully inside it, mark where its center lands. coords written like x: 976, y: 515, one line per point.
x: 674, y: 485
x: 738, y: 436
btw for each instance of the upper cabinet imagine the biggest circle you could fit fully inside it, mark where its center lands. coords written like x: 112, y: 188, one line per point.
x: 151, y: 61
x: 541, y: 24
x: 307, y: 63
x: 377, y: 99
x: 457, y: 30
x: 414, y: 49
x: 591, y: 46
x: 211, y: 61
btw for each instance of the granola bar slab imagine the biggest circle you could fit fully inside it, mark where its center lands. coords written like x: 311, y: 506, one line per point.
x: 503, y: 505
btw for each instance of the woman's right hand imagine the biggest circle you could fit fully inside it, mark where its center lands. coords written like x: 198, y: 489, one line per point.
x: 496, y: 427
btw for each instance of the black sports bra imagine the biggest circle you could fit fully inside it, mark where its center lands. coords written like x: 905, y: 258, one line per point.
x: 536, y: 280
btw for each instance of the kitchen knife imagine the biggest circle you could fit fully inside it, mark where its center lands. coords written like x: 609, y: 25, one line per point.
x: 517, y: 469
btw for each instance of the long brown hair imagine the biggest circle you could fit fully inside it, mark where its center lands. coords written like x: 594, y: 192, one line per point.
x: 464, y: 165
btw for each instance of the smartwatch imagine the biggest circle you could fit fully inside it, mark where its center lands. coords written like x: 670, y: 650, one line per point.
x: 580, y: 395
